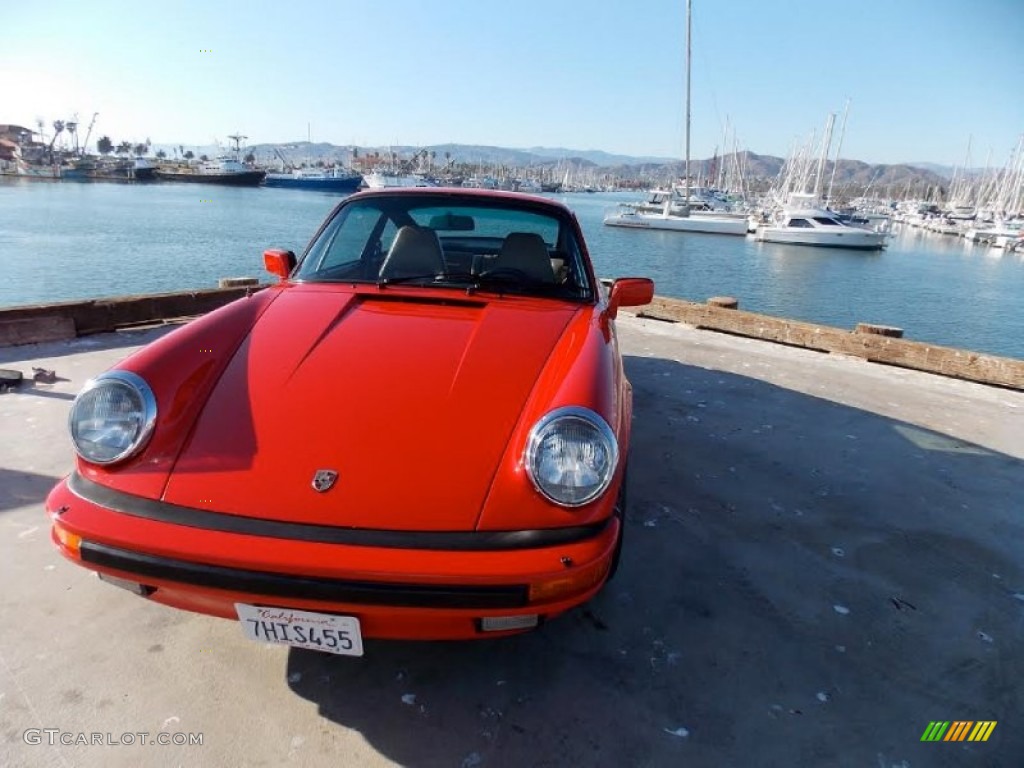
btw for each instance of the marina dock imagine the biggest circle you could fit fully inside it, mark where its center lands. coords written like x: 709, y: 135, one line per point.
x: 822, y: 556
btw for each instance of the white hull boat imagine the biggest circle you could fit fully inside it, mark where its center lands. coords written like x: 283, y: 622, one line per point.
x: 384, y: 180
x: 998, y: 235
x: 712, y: 225
x: 819, y: 228
x: 682, y: 218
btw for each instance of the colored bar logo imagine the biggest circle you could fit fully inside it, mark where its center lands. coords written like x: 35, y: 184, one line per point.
x: 959, y: 730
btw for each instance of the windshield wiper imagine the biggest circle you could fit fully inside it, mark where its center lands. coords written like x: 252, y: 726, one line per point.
x: 382, y: 281
x: 501, y: 279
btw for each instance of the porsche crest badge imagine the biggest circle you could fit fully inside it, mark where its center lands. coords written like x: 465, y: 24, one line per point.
x: 324, y: 480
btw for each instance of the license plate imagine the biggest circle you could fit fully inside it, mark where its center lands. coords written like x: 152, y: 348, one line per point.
x: 301, y: 629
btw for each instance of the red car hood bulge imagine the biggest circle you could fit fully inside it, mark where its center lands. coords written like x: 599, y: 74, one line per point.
x: 410, y: 398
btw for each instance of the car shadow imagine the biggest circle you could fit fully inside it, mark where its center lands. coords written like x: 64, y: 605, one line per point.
x: 22, y: 489
x: 803, y: 583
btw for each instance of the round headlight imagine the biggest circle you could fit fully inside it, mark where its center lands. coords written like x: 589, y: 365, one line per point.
x: 112, y: 417
x: 571, y: 455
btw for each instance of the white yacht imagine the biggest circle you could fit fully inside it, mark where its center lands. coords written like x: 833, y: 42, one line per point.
x: 701, y: 200
x: 999, y: 233
x: 388, y: 179
x: 529, y: 186
x: 710, y: 223
x: 803, y: 222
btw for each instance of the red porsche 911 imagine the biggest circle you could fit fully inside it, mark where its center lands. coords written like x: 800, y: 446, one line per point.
x: 419, y: 432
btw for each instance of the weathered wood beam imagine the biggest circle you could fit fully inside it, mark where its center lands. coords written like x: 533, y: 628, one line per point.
x: 63, y: 320
x: 876, y: 347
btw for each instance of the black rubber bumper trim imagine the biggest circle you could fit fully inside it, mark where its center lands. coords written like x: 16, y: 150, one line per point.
x: 142, y: 566
x: 456, y: 541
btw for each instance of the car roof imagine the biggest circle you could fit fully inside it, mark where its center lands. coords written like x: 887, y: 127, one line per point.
x: 467, y: 194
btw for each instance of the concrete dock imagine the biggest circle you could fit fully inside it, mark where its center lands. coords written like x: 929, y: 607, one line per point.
x: 822, y: 556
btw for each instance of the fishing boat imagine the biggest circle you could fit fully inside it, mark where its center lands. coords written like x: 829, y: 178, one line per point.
x: 88, y: 168
x: 223, y: 170
x: 323, y: 179
x: 226, y: 169
x: 680, y: 218
x: 143, y: 170
x: 28, y: 170
x: 77, y: 169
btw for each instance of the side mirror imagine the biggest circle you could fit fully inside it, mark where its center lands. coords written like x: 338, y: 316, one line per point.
x: 630, y: 292
x: 279, y: 262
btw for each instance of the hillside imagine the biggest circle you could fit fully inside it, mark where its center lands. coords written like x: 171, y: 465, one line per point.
x: 758, y: 169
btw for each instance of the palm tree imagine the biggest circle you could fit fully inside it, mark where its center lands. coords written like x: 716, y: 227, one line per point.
x: 104, y: 145
x: 188, y: 155
x: 71, y: 126
x: 58, y: 126
x: 124, y: 148
x: 160, y: 154
x: 141, y: 149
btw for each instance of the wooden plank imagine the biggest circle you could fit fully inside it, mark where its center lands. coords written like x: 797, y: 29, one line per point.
x: 101, y: 315
x: 35, y: 330
x: 904, y: 353
x: 49, y: 322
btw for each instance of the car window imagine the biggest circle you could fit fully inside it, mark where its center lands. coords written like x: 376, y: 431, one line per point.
x: 491, y: 222
x: 487, y: 244
x: 343, y: 245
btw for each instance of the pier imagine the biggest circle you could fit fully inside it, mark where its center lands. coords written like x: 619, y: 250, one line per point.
x: 875, y: 343
x: 822, y: 555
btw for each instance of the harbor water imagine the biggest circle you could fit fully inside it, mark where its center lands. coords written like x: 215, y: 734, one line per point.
x: 63, y: 241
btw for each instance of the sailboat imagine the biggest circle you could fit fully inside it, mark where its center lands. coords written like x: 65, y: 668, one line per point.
x: 680, y: 218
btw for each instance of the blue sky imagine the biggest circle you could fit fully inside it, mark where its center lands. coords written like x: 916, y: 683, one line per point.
x: 922, y: 75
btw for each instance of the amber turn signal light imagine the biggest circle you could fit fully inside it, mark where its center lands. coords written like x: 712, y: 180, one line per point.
x: 70, y: 542
x: 570, y: 583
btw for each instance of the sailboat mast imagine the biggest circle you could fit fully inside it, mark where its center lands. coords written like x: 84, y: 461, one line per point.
x: 835, y: 165
x: 686, y: 179
x: 826, y: 143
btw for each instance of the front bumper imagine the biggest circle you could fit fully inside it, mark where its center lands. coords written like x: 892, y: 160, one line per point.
x: 396, y: 591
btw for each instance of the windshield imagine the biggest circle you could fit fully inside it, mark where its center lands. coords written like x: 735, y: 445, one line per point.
x: 496, y: 245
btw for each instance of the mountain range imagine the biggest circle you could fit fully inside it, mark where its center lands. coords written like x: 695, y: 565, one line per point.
x: 758, y: 168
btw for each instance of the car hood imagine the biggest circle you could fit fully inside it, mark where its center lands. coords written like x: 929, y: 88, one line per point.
x: 409, y: 396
